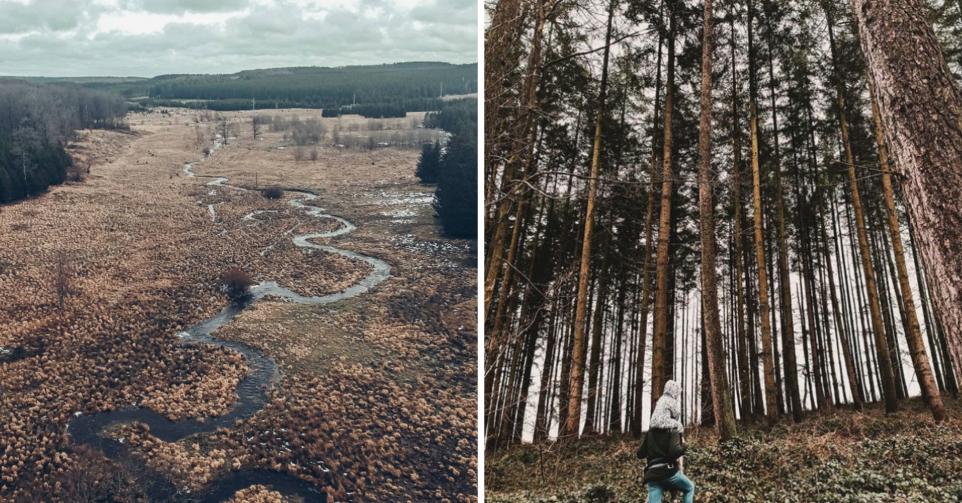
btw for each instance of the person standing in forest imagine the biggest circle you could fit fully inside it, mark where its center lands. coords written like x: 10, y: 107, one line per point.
x: 663, y: 447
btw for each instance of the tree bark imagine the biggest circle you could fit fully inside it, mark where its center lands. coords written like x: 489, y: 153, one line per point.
x: 784, y: 273
x: 914, y: 333
x: 920, y: 107
x: 768, y: 362
x: 660, y: 335
x: 720, y: 395
x: 745, y: 365
x: 636, y: 419
x: 886, y: 371
x: 577, y: 368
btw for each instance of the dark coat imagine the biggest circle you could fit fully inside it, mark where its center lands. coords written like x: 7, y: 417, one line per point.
x: 661, y: 448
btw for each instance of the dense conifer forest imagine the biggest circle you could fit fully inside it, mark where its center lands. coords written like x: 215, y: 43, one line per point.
x: 751, y: 197
x: 388, y: 90
x: 453, y: 166
x: 36, y: 121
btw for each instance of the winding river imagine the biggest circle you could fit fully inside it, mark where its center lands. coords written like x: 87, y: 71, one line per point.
x: 252, y: 390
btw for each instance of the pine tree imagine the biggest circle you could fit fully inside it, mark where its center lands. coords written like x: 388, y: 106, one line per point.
x: 721, y: 399
x: 457, y: 191
x: 429, y: 163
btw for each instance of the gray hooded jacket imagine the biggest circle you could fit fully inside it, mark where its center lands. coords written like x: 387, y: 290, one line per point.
x: 667, y: 413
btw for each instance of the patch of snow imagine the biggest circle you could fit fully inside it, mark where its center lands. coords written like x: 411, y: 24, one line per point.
x: 399, y: 213
x: 404, y: 198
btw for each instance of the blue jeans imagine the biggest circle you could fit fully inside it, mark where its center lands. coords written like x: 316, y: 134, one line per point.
x: 677, y: 482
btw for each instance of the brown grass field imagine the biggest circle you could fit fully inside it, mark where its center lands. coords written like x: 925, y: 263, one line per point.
x: 381, y: 388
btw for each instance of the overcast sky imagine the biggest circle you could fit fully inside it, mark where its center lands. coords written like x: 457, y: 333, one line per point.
x: 151, y: 37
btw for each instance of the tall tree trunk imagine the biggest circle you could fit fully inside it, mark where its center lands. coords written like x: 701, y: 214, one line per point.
x: 886, y: 372
x: 543, y: 412
x: 496, y: 246
x: 768, y: 362
x: 578, y: 364
x: 914, y: 333
x: 840, y: 327
x: 659, y: 341
x: 636, y: 419
x: 784, y: 273
x: 594, y: 365
x: 921, y: 113
x: 614, y: 418
x: 721, y: 397
x: 936, y: 338
x: 745, y: 365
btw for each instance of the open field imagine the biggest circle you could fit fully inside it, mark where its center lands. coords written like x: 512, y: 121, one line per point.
x: 376, y: 394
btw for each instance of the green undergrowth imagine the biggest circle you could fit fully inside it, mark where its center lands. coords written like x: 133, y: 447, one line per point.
x: 840, y: 456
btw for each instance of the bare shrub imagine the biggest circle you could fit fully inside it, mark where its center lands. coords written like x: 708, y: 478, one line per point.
x: 200, y: 135
x: 299, y: 154
x: 314, y: 154
x: 273, y: 192
x: 279, y: 123
x: 90, y: 477
x: 236, y: 283
x: 76, y: 171
x: 61, y: 278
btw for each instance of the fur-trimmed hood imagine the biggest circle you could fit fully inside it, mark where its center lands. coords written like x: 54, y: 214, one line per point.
x: 667, y: 413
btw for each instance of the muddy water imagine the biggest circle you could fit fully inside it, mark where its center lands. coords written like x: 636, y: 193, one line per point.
x: 252, y: 390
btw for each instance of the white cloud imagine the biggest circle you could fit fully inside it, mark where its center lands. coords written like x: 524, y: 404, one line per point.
x: 150, y: 37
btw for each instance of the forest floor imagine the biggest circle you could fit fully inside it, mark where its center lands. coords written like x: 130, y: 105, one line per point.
x: 380, y: 389
x: 840, y: 456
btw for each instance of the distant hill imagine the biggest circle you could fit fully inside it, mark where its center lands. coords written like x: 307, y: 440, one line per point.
x: 405, y: 86
x: 86, y: 81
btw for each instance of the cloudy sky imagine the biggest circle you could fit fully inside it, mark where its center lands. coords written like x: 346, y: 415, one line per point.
x: 150, y: 37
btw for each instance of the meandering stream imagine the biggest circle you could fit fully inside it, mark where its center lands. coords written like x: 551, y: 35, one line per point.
x: 252, y: 390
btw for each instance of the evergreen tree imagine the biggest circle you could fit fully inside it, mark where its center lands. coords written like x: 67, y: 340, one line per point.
x: 456, y: 197
x: 429, y: 162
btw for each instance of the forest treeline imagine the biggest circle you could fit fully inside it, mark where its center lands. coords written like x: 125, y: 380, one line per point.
x: 386, y: 110
x: 386, y: 90
x: 453, y: 166
x: 36, y: 121
x: 753, y: 197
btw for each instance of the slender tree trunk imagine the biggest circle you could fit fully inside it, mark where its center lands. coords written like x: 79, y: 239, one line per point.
x: 936, y: 338
x: 784, y: 273
x: 886, y: 372
x: 577, y: 367
x: 768, y: 362
x: 659, y: 342
x: 840, y: 328
x: 721, y: 397
x: 745, y: 365
x: 614, y: 416
x: 594, y: 365
x: 758, y: 395
x: 636, y: 419
x: 496, y: 246
x: 542, y: 419
x: 914, y: 333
